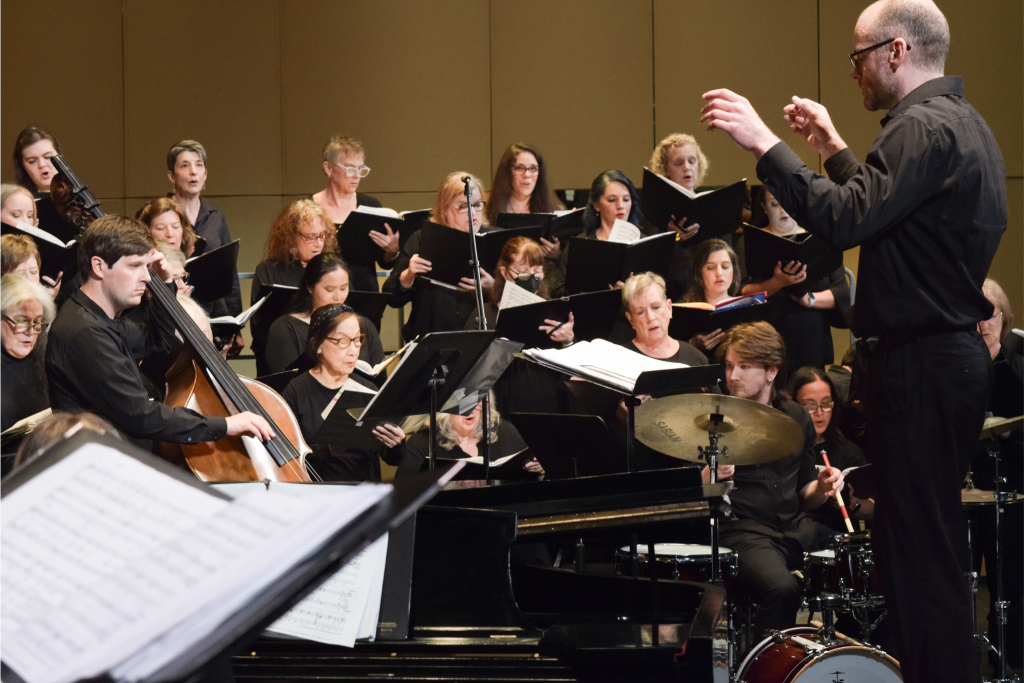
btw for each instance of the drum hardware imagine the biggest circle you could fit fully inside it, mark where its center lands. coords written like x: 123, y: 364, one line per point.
x: 971, y: 497
x: 800, y: 654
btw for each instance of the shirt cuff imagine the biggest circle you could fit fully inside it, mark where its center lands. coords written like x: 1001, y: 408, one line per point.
x: 778, y: 161
x: 841, y: 166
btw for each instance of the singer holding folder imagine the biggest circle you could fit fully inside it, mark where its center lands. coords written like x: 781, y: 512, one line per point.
x: 521, y: 186
x: 714, y: 277
x: 436, y: 308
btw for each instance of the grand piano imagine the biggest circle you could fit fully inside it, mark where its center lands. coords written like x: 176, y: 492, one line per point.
x: 468, y: 613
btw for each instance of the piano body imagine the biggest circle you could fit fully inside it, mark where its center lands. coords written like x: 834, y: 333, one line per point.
x: 472, y: 615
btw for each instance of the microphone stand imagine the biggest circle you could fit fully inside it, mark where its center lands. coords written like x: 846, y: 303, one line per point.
x: 474, y: 260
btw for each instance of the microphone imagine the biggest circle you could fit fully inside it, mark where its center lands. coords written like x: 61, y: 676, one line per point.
x: 466, y: 178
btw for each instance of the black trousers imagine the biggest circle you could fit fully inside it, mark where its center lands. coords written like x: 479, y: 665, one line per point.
x: 765, y: 576
x: 926, y: 399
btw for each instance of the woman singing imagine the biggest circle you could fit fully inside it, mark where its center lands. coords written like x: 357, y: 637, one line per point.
x: 714, y: 277
x: 521, y: 186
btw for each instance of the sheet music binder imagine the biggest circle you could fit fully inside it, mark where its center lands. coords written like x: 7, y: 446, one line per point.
x: 447, y: 249
x: 212, y: 275
x: 245, y: 625
x: 354, y: 240
x: 594, y: 316
x: 595, y: 265
x: 764, y: 249
x: 719, y: 212
x: 557, y: 440
x: 554, y: 226
x: 686, y: 322
x: 370, y: 305
x: 55, y: 259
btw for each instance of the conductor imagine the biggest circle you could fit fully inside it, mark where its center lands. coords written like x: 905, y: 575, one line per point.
x: 927, y: 207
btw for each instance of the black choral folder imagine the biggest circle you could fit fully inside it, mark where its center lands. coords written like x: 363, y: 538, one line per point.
x: 212, y: 275
x: 447, y: 249
x: 354, y: 241
x: 594, y: 315
x: 370, y: 305
x: 596, y: 264
x: 554, y: 226
x: 57, y: 256
x: 306, y: 573
x: 686, y: 321
x: 719, y: 212
x: 764, y: 249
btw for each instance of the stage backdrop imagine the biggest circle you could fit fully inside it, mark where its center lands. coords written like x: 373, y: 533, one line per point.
x: 432, y: 87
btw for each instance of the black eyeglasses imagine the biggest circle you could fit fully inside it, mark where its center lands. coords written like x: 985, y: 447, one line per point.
x: 23, y: 326
x: 345, y: 342
x: 854, y: 55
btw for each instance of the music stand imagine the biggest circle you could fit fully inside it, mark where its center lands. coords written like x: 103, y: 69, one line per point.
x: 570, y: 446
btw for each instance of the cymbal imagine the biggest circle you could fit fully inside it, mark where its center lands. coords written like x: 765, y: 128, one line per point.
x: 972, y: 497
x: 754, y: 433
x: 995, y: 426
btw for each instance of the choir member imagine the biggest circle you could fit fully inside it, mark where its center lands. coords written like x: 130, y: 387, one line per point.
x: 325, y: 282
x: 167, y: 222
x: 612, y: 197
x: 813, y: 389
x: 19, y: 254
x: 27, y: 310
x: 460, y: 437
x: 436, y: 308
x: 525, y: 386
x: 302, y: 230
x: 769, y: 528
x: 1006, y: 400
x: 55, y: 428
x: 17, y: 205
x: 649, y: 311
x: 521, y: 186
x: 175, y: 266
x: 34, y: 171
x: 714, y: 277
x: 187, y: 170
x: 804, y: 322
x: 333, y: 346
x: 680, y: 159
x: 344, y: 165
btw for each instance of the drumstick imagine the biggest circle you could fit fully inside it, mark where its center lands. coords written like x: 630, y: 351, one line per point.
x: 839, y: 497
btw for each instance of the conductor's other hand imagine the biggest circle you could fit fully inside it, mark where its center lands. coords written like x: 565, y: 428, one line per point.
x: 809, y: 119
x: 732, y: 113
x: 249, y: 424
x: 830, y: 480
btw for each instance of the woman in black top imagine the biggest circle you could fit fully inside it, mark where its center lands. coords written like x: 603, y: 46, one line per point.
x: 649, y: 311
x: 714, y: 277
x: 27, y: 311
x: 334, y: 342
x: 300, y: 232
x: 459, y: 437
x: 804, y: 322
x: 612, y: 197
x: 521, y: 186
x: 343, y: 164
x: 325, y: 282
x: 436, y: 308
x: 813, y: 389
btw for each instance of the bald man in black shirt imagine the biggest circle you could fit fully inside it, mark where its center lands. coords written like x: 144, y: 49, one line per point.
x: 928, y: 208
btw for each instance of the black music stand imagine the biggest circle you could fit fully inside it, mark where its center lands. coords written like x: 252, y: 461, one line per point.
x: 570, y: 446
x: 433, y: 372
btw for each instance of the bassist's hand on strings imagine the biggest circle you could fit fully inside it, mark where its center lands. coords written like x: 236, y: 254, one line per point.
x: 249, y: 424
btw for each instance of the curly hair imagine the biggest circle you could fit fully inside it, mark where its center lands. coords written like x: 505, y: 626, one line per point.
x: 659, y: 159
x: 281, y: 241
x: 160, y: 206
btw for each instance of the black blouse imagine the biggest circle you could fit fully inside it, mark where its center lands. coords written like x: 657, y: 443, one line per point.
x: 269, y: 273
x: 22, y: 387
x: 287, y: 341
x: 308, y: 398
x: 364, y: 278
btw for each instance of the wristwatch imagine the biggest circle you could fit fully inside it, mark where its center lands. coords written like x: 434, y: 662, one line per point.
x: 856, y: 507
x: 810, y: 299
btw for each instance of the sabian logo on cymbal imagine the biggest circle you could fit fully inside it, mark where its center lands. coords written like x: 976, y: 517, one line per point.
x: 667, y: 432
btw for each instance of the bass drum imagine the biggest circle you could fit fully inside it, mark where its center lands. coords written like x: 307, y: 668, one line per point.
x: 796, y: 655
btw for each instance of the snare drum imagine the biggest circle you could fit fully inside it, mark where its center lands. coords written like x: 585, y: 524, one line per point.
x: 679, y: 561
x: 842, y: 570
x: 797, y: 655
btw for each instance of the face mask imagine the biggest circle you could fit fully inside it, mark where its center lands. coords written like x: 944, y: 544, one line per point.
x: 529, y: 282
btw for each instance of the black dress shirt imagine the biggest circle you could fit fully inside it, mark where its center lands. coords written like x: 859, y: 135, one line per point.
x: 928, y: 208
x: 287, y: 341
x: 807, y: 331
x: 434, y: 308
x: 92, y: 363
x: 766, y: 498
x: 268, y: 273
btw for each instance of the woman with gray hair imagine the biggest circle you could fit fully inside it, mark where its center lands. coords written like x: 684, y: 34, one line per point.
x: 27, y: 311
x: 649, y: 311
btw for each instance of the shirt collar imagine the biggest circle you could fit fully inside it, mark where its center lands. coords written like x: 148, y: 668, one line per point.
x: 83, y: 300
x: 937, y: 87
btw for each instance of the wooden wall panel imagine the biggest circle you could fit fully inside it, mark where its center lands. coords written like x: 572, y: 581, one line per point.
x: 700, y: 46
x: 574, y: 79
x: 209, y: 72
x: 61, y: 70
x: 409, y: 79
x: 1007, y: 266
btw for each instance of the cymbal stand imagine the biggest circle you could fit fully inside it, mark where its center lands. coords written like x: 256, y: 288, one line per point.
x: 1000, y: 499
x: 711, y: 455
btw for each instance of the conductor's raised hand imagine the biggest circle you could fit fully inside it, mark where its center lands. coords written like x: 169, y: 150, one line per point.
x: 733, y: 114
x: 388, y: 242
x: 249, y: 424
x: 810, y: 120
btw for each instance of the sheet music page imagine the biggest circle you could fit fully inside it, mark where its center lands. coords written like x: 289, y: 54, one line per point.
x: 371, y: 613
x: 243, y: 317
x: 40, y: 234
x: 624, y: 232
x: 604, y: 360
x: 349, y: 385
x: 377, y: 211
x: 513, y: 295
x: 688, y: 193
x: 333, y: 612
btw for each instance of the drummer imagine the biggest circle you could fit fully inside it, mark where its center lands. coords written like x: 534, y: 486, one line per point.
x: 770, y: 528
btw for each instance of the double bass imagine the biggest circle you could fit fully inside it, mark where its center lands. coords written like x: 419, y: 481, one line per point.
x: 201, y: 379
